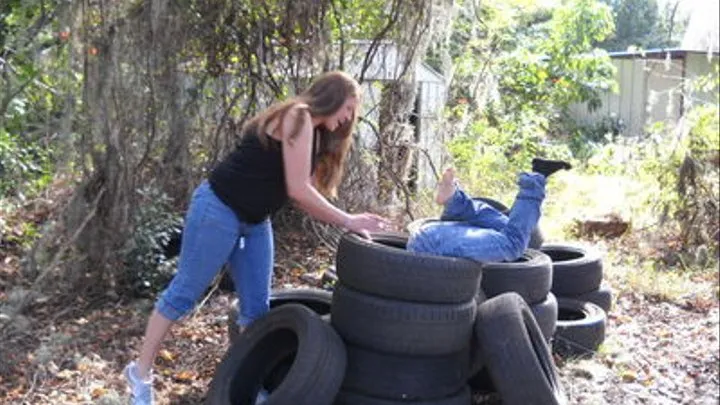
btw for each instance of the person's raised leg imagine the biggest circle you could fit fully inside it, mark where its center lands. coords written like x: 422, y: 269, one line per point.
x: 525, y: 212
x: 458, y: 206
x: 209, y: 236
x: 464, y: 240
x: 547, y: 167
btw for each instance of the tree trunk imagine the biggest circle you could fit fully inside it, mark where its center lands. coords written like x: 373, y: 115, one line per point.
x: 396, y: 138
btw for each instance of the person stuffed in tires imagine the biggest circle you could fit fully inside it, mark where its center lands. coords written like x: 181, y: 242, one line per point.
x: 475, y: 230
x: 294, y: 150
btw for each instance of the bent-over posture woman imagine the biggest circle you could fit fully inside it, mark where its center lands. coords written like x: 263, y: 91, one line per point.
x: 295, y: 150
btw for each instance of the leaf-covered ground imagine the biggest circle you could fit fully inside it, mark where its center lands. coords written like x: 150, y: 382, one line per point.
x: 656, y: 351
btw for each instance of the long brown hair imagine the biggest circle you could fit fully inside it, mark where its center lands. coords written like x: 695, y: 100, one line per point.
x: 323, y: 98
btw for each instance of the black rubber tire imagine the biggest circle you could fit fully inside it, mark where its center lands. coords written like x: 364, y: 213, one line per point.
x: 314, y: 376
x: 481, y: 297
x: 576, y: 269
x: 383, y: 267
x: 580, y: 328
x: 316, y: 299
x: 463, y: 397
x: 530, y: 276
x: 407, y: 378
x: 601, y: 297
x: 400, y: 327
x: 515, y: 353
x: 546, y: 314
x: 536, y: 236
x: 481, y: 382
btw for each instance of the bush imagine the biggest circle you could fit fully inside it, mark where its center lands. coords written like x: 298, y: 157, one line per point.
x: 150, y: 264
x: 23, y: 166
x: 679, y: 170
x: 489, y: 158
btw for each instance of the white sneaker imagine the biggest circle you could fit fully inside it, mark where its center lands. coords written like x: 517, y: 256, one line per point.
x: 142, y: 393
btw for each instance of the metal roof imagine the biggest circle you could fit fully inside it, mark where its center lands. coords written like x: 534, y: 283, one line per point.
x: 660, y: 53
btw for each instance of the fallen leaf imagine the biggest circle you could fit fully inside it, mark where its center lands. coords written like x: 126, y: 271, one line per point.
x: 97, y: 392
x: 663, y: 333
x: 65, y: 374
x: 628, y: 376
x: 166, y: 355
x: 184, y: 375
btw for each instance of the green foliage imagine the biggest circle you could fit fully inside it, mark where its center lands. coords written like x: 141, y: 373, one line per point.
x: 538, y: 78
x: 489, y: 157
x: 20, y: 235
x: 149, y: 268
x: 562, y: 67
x: 31, y: 97
x: 697, y: 183
x: 357, y: 19
x: 589, y: 139
x: 679, y: 178
x: 24, y: 166
x: 642, y: 24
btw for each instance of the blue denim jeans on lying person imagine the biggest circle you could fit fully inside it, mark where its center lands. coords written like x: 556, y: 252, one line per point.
x: 474, y: 230
x: 213, y: 235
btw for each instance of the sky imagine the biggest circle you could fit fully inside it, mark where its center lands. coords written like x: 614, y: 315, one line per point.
x: 703, y: 28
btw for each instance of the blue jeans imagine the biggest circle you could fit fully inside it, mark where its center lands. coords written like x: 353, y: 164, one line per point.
x: 213, y: 235
x: 474, y: 230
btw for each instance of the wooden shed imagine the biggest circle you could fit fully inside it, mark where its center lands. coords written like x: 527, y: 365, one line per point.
x: 654, y: 86
x: 430, y: 97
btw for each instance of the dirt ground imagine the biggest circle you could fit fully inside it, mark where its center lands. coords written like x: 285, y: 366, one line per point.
x: 656, y: 352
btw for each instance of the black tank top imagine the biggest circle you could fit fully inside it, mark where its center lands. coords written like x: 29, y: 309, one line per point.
x: 251, y: 179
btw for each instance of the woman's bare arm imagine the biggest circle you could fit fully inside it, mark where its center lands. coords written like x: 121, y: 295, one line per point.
x: 297, y: 156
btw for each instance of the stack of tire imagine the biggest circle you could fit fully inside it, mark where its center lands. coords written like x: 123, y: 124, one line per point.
x: 404, y: 328
x: 407, y: 322
x: 582, y: 299
x: 530, y: 276
x: 570, y: 302
x: 572, y: 314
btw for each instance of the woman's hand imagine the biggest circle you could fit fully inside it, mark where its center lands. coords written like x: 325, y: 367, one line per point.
x: 366, y: 223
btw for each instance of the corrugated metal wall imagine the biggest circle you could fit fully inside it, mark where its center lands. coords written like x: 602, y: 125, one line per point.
x: 697, y: 65
x: 431, y: 139
x: 650, y: 91
x: 431, y: 102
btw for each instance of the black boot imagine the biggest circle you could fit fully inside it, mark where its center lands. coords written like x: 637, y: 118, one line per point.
x: 548, y: 167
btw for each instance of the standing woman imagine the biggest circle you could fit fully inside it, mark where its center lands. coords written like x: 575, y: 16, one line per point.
x: 294, y: 150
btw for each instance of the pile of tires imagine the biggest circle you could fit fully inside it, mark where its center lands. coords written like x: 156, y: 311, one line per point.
x: 413, y: 329
x: 561, y: 284
x: 583, y: 299
x: 574, y: 310
x: 406, y: 320
x: 530, y: 276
